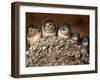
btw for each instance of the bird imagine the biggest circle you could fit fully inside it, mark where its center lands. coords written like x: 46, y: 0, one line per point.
x: 64, y: 31
x: 75, y: 36
x: 33, y: 35
x: 49, y: 28
x: 85, y: 41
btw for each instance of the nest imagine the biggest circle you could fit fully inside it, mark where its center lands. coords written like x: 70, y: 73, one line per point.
x: 53, y: 51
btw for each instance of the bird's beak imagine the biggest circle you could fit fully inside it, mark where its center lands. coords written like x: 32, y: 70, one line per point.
x: 64, y: 32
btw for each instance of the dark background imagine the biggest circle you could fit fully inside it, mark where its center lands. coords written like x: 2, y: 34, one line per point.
x: 79, y: 23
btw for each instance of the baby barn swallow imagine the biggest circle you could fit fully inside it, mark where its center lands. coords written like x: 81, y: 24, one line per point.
x: 33, y: 35
x: 75, y: 36
x: 64, y: 31
x: 49, y: 28
x: 85, y: 42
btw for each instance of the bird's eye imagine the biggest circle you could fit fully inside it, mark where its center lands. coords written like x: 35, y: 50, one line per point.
x: 50, y: 24
x: 64, y: 29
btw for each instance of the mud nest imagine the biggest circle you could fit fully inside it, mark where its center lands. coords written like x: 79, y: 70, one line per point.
x: 53, y: 51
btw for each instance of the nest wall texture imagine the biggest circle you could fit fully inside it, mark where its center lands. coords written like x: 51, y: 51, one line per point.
x: 53, y: 51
